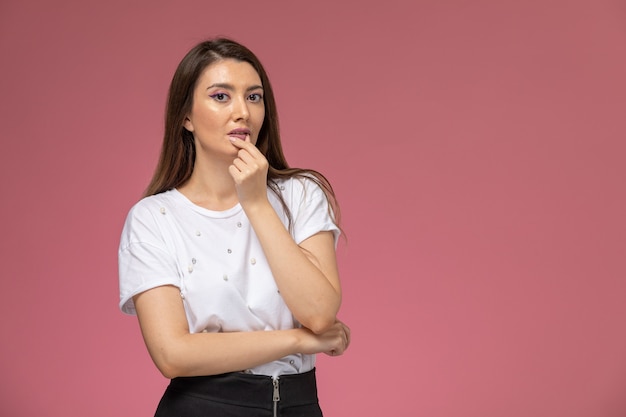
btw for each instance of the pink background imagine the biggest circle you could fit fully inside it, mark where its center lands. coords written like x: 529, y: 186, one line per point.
x: 477, y: 149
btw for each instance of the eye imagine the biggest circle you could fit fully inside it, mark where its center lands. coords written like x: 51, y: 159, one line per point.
x: 219, y: 97
x: 255, y: 97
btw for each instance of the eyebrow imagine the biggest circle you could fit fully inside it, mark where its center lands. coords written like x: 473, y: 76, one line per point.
x: 231, y: 87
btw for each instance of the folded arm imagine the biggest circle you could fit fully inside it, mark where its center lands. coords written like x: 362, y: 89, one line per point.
x: 177, y: 352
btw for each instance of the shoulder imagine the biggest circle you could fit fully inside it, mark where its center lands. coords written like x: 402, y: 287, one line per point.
x: 150, y: 206
x: 302, y: 194
x: 309, y: 206
x: 304, y: 186
x: 145, y: 216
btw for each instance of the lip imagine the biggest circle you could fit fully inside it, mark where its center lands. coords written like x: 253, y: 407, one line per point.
x: 240, y: 133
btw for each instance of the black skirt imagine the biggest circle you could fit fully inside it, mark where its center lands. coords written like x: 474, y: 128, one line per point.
x: 237, y: 394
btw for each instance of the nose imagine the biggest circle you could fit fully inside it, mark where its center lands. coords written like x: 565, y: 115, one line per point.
x: 240, y: 109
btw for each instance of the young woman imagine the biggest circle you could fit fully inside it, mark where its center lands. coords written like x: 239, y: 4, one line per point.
x: 229, y: 261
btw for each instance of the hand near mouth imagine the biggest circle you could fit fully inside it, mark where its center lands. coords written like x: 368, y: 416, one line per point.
x: 249, y: 171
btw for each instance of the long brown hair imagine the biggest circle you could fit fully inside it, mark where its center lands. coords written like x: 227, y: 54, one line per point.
x: 178, y: 151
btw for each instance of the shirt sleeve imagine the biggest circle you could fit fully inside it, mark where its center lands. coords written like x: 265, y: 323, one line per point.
x: 313, y: 213
x: 144, y: 259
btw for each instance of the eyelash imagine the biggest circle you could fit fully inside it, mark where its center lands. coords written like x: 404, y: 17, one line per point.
x: 220, y: 97
x: 216, y: 96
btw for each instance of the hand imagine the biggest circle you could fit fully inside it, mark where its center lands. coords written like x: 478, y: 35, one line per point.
x: 249, y: 171
x: 332, y: 342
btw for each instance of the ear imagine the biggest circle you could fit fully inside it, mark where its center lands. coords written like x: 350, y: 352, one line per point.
x: 187, y: 124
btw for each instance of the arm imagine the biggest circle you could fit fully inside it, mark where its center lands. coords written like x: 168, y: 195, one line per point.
x: 307, y: 274
x: 177, y: 352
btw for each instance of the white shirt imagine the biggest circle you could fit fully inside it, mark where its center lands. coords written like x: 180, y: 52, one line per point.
x: 217, y: 262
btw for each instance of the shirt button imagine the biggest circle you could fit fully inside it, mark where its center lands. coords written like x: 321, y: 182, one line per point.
x: 198, y: 233
x: 162, y: 210
x: 238, y: 224
x: 190, y: 268
x: 193, y: 261
x: 292, y: 362
x: 229, y: 251
x: 225, y: 277
x: 253, y: 261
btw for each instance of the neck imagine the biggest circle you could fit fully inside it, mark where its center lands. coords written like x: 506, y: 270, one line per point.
x: 210, y: 186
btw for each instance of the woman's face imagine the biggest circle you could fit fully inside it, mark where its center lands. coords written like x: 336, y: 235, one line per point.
x: 227, y: 103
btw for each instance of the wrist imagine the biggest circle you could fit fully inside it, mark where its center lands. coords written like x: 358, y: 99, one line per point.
x: 297, y: 340
x: 256, y: 208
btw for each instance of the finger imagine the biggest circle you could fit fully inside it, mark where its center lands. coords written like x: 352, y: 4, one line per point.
x: 245, y: 156
x: 346, y: 332
x: 246, y: 144
x: 242, y: 144
x: 237, y: 142
x: 345, y: 328
x: 246, y: 168
x: 240, y: 165
x: 235, y: 173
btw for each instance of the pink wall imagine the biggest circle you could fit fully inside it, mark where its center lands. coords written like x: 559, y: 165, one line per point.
x: 477, y: 148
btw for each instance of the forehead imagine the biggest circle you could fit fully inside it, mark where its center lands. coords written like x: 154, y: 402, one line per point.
x: 230, y: 71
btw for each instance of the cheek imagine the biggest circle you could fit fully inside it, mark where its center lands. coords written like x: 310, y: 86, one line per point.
x: 260, y: 117
x: 207, y: 118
